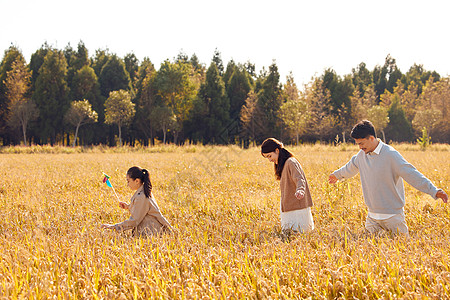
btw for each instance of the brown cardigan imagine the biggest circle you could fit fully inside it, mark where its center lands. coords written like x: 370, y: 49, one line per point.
x: 293, y: 179
x: 146, y: 219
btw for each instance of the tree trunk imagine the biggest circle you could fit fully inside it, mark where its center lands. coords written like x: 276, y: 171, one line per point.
x: 76, y: 134
x: 120, y: 136
x: 343, y: 137
x: 24, y: 130
x: 384, y: 137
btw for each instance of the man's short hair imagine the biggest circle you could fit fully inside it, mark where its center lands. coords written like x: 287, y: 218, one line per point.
x: 363, y: 130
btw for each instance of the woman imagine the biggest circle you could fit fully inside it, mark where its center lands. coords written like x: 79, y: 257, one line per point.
x: 146, y: 219
x: 296, y: 201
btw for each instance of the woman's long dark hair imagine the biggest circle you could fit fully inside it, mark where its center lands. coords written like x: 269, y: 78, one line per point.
x: 270, y: 145
x: 144, y: 176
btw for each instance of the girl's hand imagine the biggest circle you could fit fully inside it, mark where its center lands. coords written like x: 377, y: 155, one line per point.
x: 123, y: 205
x: 107, y: 226
x: 299, y: 194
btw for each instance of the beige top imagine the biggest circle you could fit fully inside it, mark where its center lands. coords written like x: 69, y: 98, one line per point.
x: 293, y: 179
x: 146, y: 218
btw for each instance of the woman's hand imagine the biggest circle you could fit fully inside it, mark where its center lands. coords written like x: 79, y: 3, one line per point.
x: 299, y: 194
x: 124, y: 205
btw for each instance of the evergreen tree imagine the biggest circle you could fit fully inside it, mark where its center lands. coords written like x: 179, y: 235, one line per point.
x: 231, y: 67
x: 269, y: 99
x: 52, y: 95
x: 212, y: 93
x: 237, y: 89
x: 217, y: 59
x: 76, y: 60
x: 399, y: 128
x: 361, y: 78
x: 37, y: 59
x: 100, y: 59
x: 114, y: 76
x: 132, y: 67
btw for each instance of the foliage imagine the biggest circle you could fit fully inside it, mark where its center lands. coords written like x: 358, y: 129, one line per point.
x: 119, y: 110
x: 252, y: 120
x: 378, y: 115
x: 334, y: 103
x: 22, y: 109
x: 293, y: 110
x: 424, y: 141
x: 80, y: 113
x: 52, y: 95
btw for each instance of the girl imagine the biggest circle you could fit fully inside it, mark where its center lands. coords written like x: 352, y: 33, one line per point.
x: 146, y: 219
x: 296, y: 199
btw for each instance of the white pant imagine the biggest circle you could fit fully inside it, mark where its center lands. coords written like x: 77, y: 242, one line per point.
x: 299, y: 220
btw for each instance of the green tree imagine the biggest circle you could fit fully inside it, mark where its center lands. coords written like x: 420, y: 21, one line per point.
x: 114, y: 76
x: 293, y: 110
x: 85, y: 86
x: 238, y: 88
x: 99, y: 61
x: 231, y: 67
x: 419, y: 76
x: 163, y: 119
x: 212, y: 93
x: 132, y: 67
x: 37, y: 59
x: 176, y: 90
x: 399, y: 128
x: 217, y: 59
x: 11, y: 55
x: 75, y: 61
x: 319, y: 118
x: 119, y: 110
x: 22, y: 109
x: 269, y: 99
x: 51, y: 95
x: 361, y: 78
x: 80, y: 113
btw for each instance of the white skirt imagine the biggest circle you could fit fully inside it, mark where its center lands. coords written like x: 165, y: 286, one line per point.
x: 300, y: 220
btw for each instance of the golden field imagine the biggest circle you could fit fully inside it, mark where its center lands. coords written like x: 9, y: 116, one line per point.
x: 224, y: 204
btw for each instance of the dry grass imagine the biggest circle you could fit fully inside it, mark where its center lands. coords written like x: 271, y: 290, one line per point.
x: 224, y: 203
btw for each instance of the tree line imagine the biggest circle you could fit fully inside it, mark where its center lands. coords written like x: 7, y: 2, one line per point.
x: 68, y: 97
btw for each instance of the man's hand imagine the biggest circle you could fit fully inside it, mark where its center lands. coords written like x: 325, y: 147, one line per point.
x: 441, y: 194
x: 332, y: 179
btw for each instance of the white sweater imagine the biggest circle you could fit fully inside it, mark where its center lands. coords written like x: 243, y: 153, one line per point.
x: 381, y: 179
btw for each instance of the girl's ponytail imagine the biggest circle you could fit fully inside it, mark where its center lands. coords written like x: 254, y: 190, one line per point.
x: 147, y: 183
x: 144, y: 176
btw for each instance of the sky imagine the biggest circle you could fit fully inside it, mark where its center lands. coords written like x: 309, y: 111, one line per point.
x: 303, y: 37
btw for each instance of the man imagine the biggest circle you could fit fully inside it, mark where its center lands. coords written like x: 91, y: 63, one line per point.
x: 381, y: 170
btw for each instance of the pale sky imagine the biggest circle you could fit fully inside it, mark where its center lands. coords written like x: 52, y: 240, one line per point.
x: 304, y: 37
